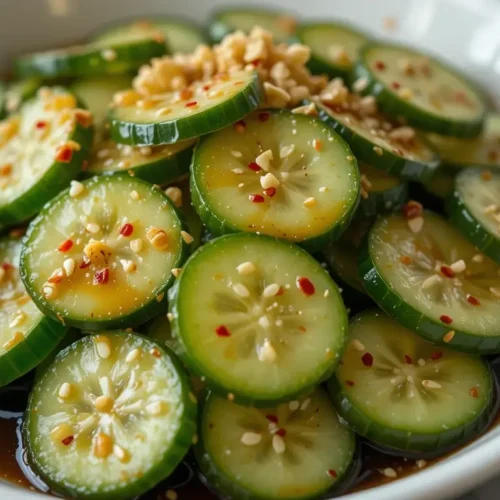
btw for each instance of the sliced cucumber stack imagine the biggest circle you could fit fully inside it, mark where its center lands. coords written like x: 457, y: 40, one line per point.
x: 297, y: 450
x: 225, y: 21
x: 94, y: 59
x: 277, y: 173
x: 101, y: 254
x: 158, y: 165
x: 398, y: 150
x: 177, y: 116
x: 425, y: 274
x: 422, y: 90
x: 181, y: 35
x: 26, y: 336
x: 114, y: 427
x: 475, y: 211
x: 41, y: 149
x: 260, y: 319
x: 334, y: 47
x: 402, y: 392
x: 479, y: 151
x: 380, y: 192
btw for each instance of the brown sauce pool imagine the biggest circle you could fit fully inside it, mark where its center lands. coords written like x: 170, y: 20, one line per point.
x: 184, y: 481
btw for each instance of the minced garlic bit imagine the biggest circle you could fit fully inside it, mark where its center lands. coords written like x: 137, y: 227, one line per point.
x: 264, y: 160
x: 269, y: 181
x: 246, y: 268
x: 357, y: 345
x: 267, y: 353
x: 251, y: 438
x: 431, y: 281
x: 307, y: 109
x: 129, y: 266
x: 449, y: 336
x: 103, y: 346
x: 176, y: 272
x: 188, y: 239
x: 175, y: 194
x: 458, y: 266
x: 157, y: 237
x: 360, y: 84
x: 416, y: 224
x: 286, y: 151
x: 293, y: 405
x: 271, y: 290
x: 389, y: 472
x: 279, y: 444
x: 241, y: 290
x: 478, y: 258
x: 421, y: 463
x: 136, y: 245
x: 431, y: 384
x: 76, y: 189
x: 310, y: 202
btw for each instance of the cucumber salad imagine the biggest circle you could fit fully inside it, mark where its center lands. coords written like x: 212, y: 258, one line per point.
x: 270, y: 242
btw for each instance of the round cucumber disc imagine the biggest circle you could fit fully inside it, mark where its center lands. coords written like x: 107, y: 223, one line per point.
x: 297, y: 450
x: 260, y: 319
x: 101, y: 255
x: 110, y: 418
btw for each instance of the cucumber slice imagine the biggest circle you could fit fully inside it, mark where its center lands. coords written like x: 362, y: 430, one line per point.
x: 260, y: 319
x: 380, y: 192
x: 102, y: 256
x: 111, y: 417
x: 474, y: 209
x: 411, y: 159
x: 400, y: 391
x: 479, y: 151
x: 433, y: 281
x: 334, y: 47
x: 313, y: 186
x: 225, y: 21
x: 421, y: 89
x: 97, y: 94
x: 26, y: 336
x: 158, y: 165
x: 173, y: 117
x: 182, y: 36
x: 94, y: 59
x: 41, y: 149
x: 18, y: 92
x: 298, y: 450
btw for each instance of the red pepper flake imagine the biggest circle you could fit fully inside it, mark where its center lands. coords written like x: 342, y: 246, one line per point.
x: 474, y: 392
x: 281, y: 291
x: 64, y: 154
x: 40, y: 124
x: 127, y: 230
x: 332, y: 473
x: 155, y: 352
x: 190, y: 104
x: 412, y: 209
x: 447, y: 272
x: 57, y: 278
x: 6, y: 266
x: 305, y: 286
x: 405, y: 259
x: 264, y: 116
x: 302, y: 329
x: 222, y: 331
x: 65, y: 246
x: 101, y: 277
x: 349, y: 383
x: 270, y: 192
x: 472, y: 300
x: 186, y: 94
x: 239, y: 82
x: 396, y: 85
x: 67, y: 441
x: 84, y: 264
x: 380, y: 66
x: 256, y: 62
x: 492, y: 155
x: 281, y: 432
x: 437, y: 355
x: 206, y: 88
x: 256, y: 198
x: 445, y: 319
x: 254, y: 166
x: 240, y: 126
x: 462, y: 97
x: 408, y: 360
x: 367, y: 359
x: 272, y: 418
x: 486, y: 175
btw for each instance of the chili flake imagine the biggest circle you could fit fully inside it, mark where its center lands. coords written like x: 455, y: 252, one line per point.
x: 222, y: 331
x: 191, y: 104
x: 405, y: 259
x: 127, y: 230
x: 264, y: 116
x: 412, y: 209
x: 472, y: 300
x: 40, y: 124
x: 270, y: 192
x: 445, y: 319
x: 256, y: 198
x: 101, y: 277
x: 367, y: 359
x: 272, y: 418
x: 281, y: 432
x: 349, y: 383
x: 408, y: 360
x: 437, y: 355
x: 474, y: 392
x: 380, y: 66
x: 67, y: 441
x: 64, y: 154
x: 447, y: 272
x: 332, y: 473
x: 305, y: 286
x: 65, y: 246
x: 240, y: 126
x: 253, y: 166
x: 396, y: 85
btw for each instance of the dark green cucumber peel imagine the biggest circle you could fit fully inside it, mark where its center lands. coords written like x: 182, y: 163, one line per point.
x: 179, y: 446
x: 380, y: 202
x: 174, y: 130
x: 395, y: 106
x: 462, y: 218
x: 3, y: 98
x: 390, y: 162
x: 89, y: 60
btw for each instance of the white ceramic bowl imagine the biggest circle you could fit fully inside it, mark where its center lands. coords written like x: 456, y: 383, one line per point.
x: 465, y: 32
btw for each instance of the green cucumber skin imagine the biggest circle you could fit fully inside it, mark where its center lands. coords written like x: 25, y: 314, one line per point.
x: 464, y: 221
x: 247, y: 399
x: 401, y: 442
x: 383, y: 202
x: 140, y: 316
x: 220, y: 226
x: 421, y: 119
x: 3, y: 98
x: 169, y: 132
x: 391, y: 303
x: 161, y: 171
x: 389, y: 162
x: 28, y: 354
x: 90, y: 63
x: 55, y: 179
x: 214, y: 478
x: 160, y: 472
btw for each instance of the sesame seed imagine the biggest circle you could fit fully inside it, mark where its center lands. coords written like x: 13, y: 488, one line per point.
x: 431, y: 281
x: 294, y: 405
x: 286, y: 151
x: 103, y: 346
x: 421, y: 463
x: 264, y: 323
x: 267, y: 353
x: 93, y: 228
x: 76, y: 189
x: 430, y: 384
x: 246, y: 268
x: 305, y: 404
x: 135, y: 195
x: 133, y: 355
x: 317, y: 145
x: 171, y: 495
x: 279, y: 444
x: 421, y: 362
x: 241, y: 184
x: 271, y: 290
x: 175, y: 194
x: 326, y: 293
x: 237, y: 154
x: 128, y: 265
x: 389, y: 472
x: 495, y: 291
x: 241, y: 290
x: 378, y: 150
x: 69, y: 266
x: 65, y: 390
x: 176, y: 271
x: 349, y: 158
x: 136, y: 245
x: 237, y: 171
x: 310, y: 202
x: 251, y: 438
x: 49, y: 291
x: 358, y: 345
x: 360, y: 84
x: 323, y: 189
x: 108, y: 54
x: 458, y: 266
x: 187, y: 237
